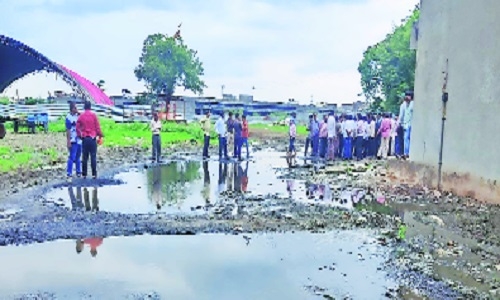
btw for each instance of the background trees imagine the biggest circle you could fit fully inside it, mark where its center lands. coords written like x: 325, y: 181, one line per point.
x: 166, y: 63
x: 388, y: 68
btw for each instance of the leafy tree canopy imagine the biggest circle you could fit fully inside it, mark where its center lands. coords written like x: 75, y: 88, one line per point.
x: 166, y: 63
x: 388, y: 68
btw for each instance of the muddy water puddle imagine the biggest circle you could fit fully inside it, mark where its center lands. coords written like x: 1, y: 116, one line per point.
x: 190, y: 186
x: 266, y: 266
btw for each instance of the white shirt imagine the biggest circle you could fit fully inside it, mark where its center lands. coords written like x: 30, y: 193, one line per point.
x: 330, y: 125
x: 351, y: 126
x: 371, y: 130
x: 155, y: 126
x: 220, y: 127
x: 394, y: 127
x: 406, y: 114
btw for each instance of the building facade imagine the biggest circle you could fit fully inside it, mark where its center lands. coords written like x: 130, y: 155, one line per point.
x: 459, y: 38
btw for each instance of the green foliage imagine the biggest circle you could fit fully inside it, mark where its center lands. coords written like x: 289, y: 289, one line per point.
x: 34, y: 101
x: 167, y: 63
x: 388, y: 68
x: 139, y: 134
x: 170, y: 182
x: 4, y: 100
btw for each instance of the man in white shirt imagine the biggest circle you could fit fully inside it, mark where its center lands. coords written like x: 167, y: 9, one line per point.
x: 332, y: 134
x: 155, y: 130
x: 405, y: 118
x: 349, y: 134
x: 220, y: 129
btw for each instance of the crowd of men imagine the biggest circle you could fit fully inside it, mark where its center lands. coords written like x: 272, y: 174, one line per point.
x: 357, y: 136
x: 232, y: 135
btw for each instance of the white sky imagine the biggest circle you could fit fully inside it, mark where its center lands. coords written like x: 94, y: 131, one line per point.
x: 286, y: 49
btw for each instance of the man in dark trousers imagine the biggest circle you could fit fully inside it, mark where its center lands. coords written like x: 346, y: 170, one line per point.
x: 89, y: 130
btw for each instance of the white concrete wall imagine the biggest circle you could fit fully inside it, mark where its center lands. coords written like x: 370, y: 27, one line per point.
x: 467, y: 33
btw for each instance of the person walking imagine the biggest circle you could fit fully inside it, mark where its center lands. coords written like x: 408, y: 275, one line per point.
x: 220, y: 129
x: 88, y: 129
x: 405, y: 118
x: 237, y: 128
x: 230, y: 133
x: 394, y: 134
x: 155, y: 126
x: 292, y: 132
x: 74, y: 143
x: 315, y: 136
x: 331, y: 136
x: 385, y: 133
x: 323, y: 137
x: 206, y: 127
x: 245, y: 135
x: 309, y: 138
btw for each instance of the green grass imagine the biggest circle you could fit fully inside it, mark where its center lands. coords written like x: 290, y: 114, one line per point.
x: 301, y: 129
x: 115, y: 135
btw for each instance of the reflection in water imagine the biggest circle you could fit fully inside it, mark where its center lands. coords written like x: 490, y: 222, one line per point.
x: 171, y: 182
x: 222, y: 178
x: 86, y: 199
x: 244, y: 178
x: 205, y: 192
x: 76, y: 201
x: 157, y: 195
x: 92, y: 242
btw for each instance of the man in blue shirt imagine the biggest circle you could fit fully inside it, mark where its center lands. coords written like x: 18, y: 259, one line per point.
x: 74, y: 143
x: 315, y: 135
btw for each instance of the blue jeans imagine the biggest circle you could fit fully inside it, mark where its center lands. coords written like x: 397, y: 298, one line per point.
x: 222, y: 146
x: 75, y: 153
x: 323, y: 145
x: 244, y: 141
x: 156, y: 147
x: 291, y: 145
x: 348, y: 148
x: 315, y: 145
x: 206, y: 143
x: 407, y: 141
x: 237, y: 146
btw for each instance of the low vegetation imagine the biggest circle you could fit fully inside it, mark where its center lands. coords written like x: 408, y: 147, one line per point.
x: 51, y: 150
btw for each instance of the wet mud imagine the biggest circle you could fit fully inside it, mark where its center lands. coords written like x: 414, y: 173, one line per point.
x: 450, y: 249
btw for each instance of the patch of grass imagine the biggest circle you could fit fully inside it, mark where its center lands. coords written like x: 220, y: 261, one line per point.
x: 301, y: 129
x: 375, y: 207
x: 139, y: 134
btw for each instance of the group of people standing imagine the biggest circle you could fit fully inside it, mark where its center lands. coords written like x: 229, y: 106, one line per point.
x: 83, y: 134
x: 358, y: 137
x: 232, y: 134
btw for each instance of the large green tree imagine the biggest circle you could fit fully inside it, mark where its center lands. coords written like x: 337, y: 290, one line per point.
x: 166, y: 63
x: 388, y: 67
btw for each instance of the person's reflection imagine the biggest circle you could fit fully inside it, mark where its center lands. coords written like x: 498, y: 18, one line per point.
x: 291, y: 160
x: 206, y: 183
x: 157, y: 187
x: 86, y: 199
x: 230, y: 179
x: 92, y: 242
x: 244, y: 179
x: 222, y: 177
x: 237, y: 177
x: 290, y: 187
x: 76, y: 201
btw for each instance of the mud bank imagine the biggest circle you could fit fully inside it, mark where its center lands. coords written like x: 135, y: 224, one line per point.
x: 449, y: 251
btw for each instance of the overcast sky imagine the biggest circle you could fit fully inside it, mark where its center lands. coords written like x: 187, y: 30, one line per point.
x: 285, y: 49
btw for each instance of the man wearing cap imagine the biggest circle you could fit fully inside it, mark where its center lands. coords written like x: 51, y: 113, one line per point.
x: 405, y: 118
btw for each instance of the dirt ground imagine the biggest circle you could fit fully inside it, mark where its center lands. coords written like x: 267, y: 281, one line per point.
x: 452, y: 243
